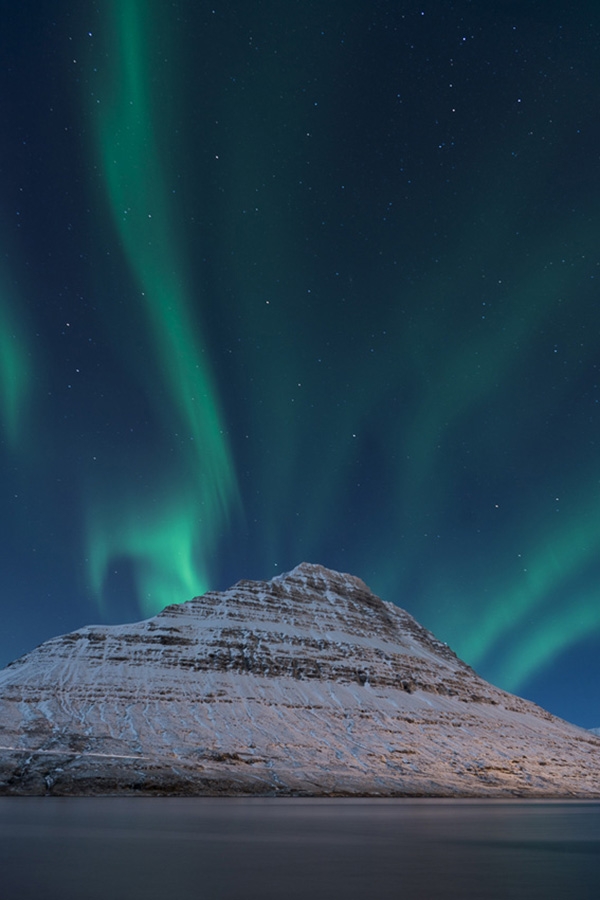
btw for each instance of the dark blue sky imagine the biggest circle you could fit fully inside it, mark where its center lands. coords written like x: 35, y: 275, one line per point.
x: 306, y: 281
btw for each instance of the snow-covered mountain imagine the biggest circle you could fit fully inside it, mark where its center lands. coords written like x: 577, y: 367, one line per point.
x: 306, y: 684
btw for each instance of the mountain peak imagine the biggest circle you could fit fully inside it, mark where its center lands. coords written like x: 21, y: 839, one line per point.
x: 315, y: 570
x: 318, y: 577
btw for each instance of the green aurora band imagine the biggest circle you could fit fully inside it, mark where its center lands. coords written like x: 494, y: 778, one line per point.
x: 16, y: 373
x: 172, y: 542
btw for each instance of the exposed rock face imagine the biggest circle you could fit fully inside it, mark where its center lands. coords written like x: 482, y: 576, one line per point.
x: 306, y: 684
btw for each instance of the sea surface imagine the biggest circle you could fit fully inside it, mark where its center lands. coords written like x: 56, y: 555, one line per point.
x: 321, y: 849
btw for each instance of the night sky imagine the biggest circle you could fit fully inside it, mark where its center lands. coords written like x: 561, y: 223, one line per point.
x: 306, y: 280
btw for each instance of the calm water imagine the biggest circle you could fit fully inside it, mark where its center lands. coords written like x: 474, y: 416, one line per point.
x: 225, y: 849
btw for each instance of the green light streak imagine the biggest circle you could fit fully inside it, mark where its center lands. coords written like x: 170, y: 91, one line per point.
x: 161, y: 544
x: 552, y: 635
x: 539, y: 612
x: 553, y: 566
x: 127, y: 122
x: 461, y: 372
x: 15, y: 377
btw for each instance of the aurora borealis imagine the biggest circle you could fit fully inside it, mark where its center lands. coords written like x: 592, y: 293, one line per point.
x: 171, y: 540
x: 306, y: 281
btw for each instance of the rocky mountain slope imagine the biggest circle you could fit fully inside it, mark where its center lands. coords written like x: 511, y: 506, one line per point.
x: 306, y: 684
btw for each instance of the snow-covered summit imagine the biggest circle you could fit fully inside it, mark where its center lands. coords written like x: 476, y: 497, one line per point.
x: 308, y: 683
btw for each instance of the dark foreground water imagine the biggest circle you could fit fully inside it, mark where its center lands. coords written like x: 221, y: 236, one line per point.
x: 229, y: 849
